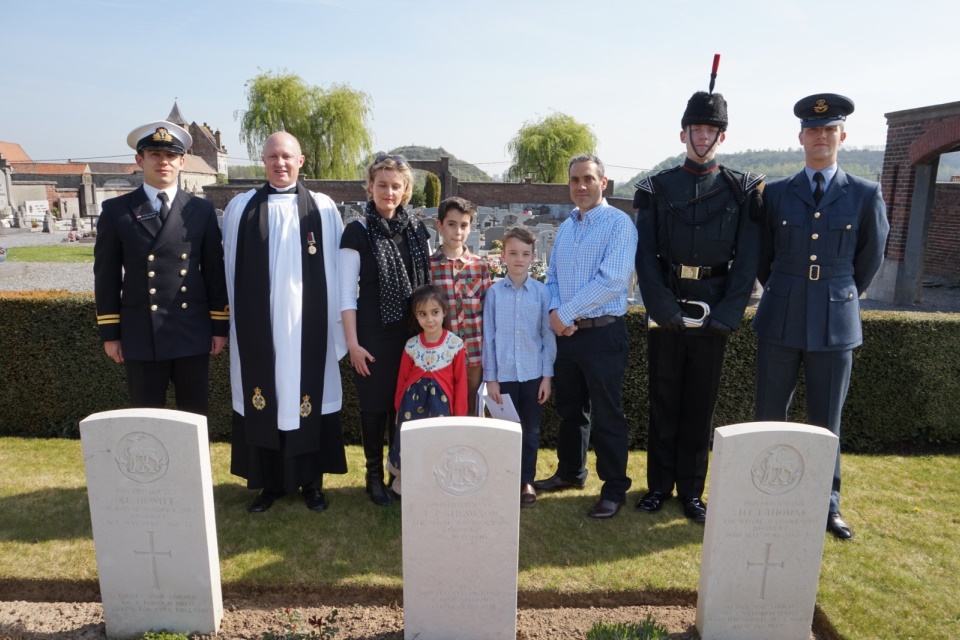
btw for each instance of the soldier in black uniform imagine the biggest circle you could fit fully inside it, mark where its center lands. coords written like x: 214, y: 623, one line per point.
x: 159, y: 277
x: 697, y: 256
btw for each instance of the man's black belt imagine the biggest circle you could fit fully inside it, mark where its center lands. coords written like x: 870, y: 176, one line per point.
x: 813, y: 271
x: 600, y: 321
x: 690, y: 272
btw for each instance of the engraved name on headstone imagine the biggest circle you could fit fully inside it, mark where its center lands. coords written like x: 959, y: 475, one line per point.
x: 763, y: 542
x: 150, y: 490
x: 461, y: 528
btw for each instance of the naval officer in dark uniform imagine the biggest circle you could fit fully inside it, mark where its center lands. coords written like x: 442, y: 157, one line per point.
x: 824, y: 235
x: 697, y: 253
x: 159, y: 278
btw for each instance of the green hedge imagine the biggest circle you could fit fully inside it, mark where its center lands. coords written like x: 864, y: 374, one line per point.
x: 905, y: 390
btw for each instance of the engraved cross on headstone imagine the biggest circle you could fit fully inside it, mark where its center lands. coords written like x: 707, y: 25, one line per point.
x: 766, y: 564
x: 153, y: 559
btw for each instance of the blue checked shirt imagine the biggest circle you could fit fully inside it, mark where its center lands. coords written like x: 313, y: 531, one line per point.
x: 518, y: 342
x: 591, y: 264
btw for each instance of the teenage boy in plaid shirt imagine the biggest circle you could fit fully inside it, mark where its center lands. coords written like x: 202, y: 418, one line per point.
x: 464, y: 279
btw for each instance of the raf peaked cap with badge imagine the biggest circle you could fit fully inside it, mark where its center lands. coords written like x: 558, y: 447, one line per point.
x: 160, y: 136
x: 823, y: 110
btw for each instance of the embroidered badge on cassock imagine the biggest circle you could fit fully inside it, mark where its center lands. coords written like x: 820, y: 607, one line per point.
x: 305, y: 406
x: 258, y: 402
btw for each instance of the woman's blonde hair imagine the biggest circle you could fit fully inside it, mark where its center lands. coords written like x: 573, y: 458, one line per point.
x: 398, y: 164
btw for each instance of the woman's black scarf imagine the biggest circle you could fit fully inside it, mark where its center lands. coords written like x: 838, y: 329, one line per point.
x: 254, y: 329
x: 396, y: 285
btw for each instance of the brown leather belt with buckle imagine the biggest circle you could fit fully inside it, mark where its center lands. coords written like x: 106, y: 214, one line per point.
x: 590, y: 323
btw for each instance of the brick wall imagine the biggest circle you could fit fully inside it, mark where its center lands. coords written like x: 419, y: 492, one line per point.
x: 943, y: 244
x: 913, y: 136
x: 483, y: 194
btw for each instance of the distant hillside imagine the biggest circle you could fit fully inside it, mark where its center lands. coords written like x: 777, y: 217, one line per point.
x: 867, y: 163
x: 461, y: 169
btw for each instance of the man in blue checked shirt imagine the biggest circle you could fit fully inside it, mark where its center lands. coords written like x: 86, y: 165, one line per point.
x: 589, y: 271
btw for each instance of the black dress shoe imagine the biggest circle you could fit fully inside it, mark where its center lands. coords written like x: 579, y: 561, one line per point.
x: 651, y: 501
x: 263, y: 501
x: 556, y: 483
x: 605, y: 509
x: 838, y: 527
x: 315, y: 499
x: 528, y: 496
x: 694, y: 508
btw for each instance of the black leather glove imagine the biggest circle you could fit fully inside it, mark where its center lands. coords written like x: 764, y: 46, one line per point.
x: 674, y: 324
x: 717, y: 328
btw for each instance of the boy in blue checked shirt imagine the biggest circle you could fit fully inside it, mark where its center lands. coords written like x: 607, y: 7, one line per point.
x: 519, y: 347
x: 464, y: 279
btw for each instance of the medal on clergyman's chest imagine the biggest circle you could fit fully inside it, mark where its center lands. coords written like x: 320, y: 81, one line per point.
x: 312, y: 249
x: 258, y: 401
x: 305, y: 406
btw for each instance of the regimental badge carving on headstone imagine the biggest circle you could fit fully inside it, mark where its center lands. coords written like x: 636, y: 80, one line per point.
x: 777, y: 470
x: 141, y: 457
x: 461, y: 471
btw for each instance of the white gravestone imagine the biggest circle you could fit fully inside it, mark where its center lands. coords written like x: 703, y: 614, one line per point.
x: 461, y: 528
x: 151, y: 504
x: 763, y: 543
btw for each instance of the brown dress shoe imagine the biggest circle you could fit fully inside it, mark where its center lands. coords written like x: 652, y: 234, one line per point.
x: 528, y: 496
x: 556, y: 483
x: 605, y: 509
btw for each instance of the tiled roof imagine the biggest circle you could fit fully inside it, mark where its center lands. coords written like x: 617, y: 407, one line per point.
x: 120, y: 168
x: 196, y: 164
x: 13, y: 152
x: 50, y: 168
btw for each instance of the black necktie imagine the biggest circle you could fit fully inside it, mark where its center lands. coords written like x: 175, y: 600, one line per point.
x: 818, y: 191
x: 164, y: 206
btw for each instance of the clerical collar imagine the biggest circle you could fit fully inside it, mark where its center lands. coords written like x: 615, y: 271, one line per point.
x: 700, y: 168
x: 292, y: 189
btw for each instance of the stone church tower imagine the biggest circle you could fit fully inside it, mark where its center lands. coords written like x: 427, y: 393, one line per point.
x: 206, y: 143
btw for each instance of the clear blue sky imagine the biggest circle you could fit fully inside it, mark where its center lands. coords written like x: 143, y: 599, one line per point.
x: 77, y: 75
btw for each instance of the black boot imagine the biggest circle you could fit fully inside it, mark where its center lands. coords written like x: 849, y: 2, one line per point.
x: 372, y: 426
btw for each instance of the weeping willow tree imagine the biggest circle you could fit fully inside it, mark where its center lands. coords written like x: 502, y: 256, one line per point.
x: 331, y: 124
x: 543, y: 149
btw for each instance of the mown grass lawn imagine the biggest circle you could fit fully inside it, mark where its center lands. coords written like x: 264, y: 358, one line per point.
x: 52, y: 253
x: 896, y: 579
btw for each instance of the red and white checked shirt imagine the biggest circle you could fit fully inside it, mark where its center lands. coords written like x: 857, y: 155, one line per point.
x: 464, y: 280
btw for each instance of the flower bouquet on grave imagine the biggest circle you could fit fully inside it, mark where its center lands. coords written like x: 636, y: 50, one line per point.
x: 3, y: 254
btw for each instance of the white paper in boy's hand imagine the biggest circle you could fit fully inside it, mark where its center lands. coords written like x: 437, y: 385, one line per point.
x: 505, y: 411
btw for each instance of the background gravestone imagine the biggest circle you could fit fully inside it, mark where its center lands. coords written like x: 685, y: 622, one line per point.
x: 150, y: 489
x: 491, y: 234
x: 461, y: 528
x: 769, y: 496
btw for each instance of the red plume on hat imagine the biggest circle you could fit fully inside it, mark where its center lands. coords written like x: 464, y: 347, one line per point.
x: 713, y: 73
x: 707, y: 108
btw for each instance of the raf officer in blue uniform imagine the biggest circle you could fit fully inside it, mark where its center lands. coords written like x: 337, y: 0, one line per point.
x: 159, y: 281
x: 699, y: 240
x: 824, y: 235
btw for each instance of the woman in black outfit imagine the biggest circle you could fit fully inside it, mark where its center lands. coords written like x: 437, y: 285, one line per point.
x: 387, y: 252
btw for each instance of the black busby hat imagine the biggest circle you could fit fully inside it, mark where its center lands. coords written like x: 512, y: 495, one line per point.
x: 160, y: 136
x: 823, y: 110
x: 706, y: 108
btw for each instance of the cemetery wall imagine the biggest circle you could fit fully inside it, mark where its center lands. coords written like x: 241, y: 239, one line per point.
x: 905, y: 389
x: 943, y: 245
x: 483, y: 194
